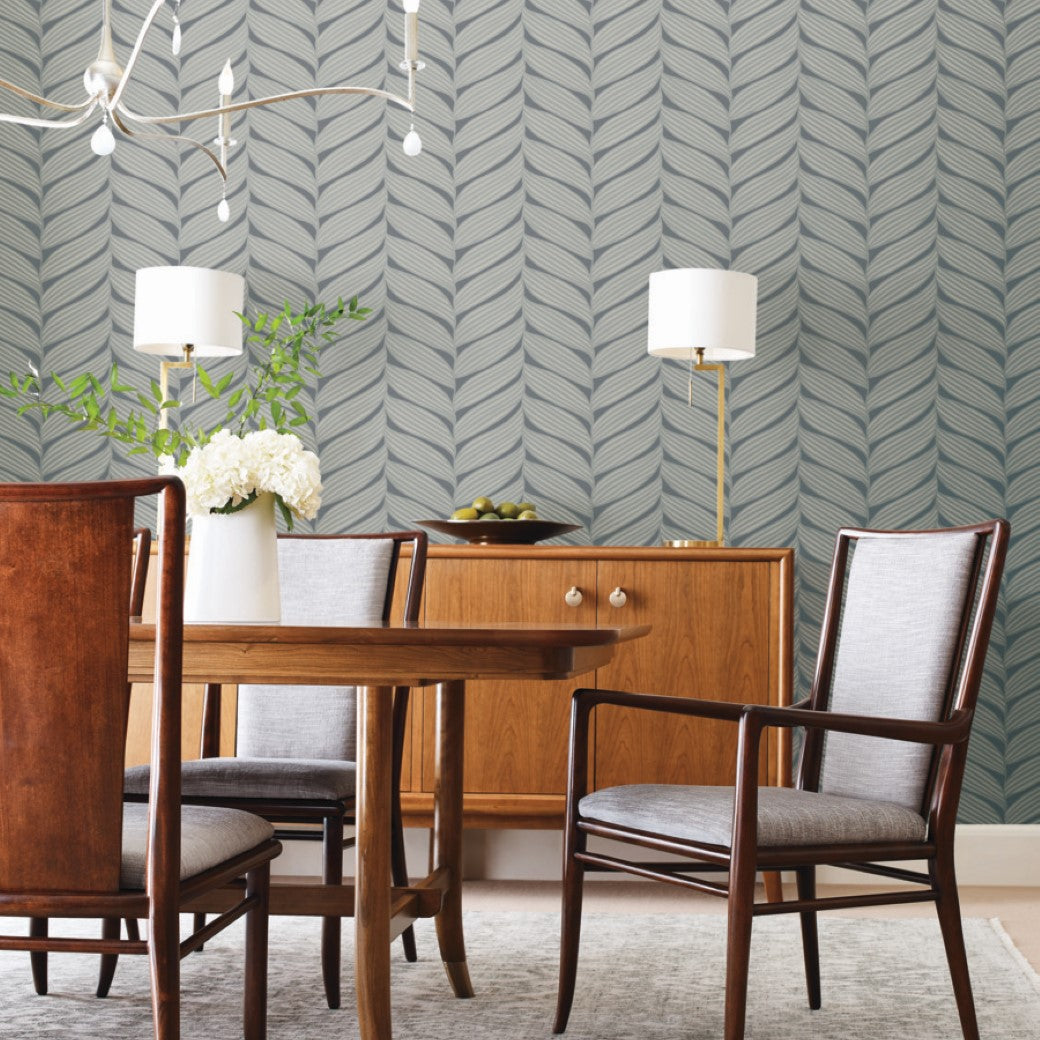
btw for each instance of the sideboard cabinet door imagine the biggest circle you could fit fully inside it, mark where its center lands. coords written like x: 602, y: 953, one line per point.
x: 710, y: 638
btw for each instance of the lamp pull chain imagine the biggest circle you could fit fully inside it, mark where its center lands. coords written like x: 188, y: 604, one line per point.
x: 699, y: 354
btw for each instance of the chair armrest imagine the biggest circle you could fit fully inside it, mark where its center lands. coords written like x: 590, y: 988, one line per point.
x: 726, y: 710
x: 918, y: 731
x: 915, y: 730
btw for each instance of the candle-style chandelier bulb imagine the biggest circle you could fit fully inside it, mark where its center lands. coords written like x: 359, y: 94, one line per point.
x: 223, y: 211
x: 412, y: 143
x: 102, y: 142
x: 175, y: 43
x: 226, y: 80
x: 411, y: 6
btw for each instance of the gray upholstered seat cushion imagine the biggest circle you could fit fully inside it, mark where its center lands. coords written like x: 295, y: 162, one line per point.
x: 323, y: 779
x: 785, y: 817
x: 209, y: 836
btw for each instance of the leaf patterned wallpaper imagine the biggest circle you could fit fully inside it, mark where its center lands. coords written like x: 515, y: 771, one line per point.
x: 875, y: 162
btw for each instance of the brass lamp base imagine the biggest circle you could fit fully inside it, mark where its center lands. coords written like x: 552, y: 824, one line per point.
x: 691, y: 543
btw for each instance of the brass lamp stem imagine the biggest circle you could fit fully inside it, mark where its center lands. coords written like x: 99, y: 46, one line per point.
x: 720, y: 456
x: 720, y: 448
x: 164, y: 382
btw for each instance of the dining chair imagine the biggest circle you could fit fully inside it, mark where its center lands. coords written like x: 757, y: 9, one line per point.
x: 887, y: 720
x: 295, y: 749
x: 71, y: 848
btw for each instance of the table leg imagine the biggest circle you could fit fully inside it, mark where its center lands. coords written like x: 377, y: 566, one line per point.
x: 372, y: 879
x: 447, y: 831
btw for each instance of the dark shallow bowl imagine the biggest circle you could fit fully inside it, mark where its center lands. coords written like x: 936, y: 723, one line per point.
x: 499, y: 532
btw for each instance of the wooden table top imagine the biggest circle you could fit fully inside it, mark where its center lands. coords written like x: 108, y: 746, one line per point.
x: 382, y: 655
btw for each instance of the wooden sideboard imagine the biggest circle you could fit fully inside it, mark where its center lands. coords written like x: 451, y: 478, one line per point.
x: 721, y: 629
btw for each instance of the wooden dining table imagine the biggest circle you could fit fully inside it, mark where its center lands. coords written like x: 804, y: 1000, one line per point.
x: 376, y: 659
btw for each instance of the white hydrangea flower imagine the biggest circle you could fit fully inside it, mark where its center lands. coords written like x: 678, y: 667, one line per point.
x: 229, y: 469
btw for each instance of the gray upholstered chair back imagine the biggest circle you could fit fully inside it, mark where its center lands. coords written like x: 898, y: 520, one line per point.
x: 903, y: 609
x: 324, y: 581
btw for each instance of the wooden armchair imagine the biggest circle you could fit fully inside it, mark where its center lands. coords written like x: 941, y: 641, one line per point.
x: 69, y: 848
x: 295, y: 749
x: 904, y: 639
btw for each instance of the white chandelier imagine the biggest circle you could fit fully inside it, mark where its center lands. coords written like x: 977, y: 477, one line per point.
x: 105, y: 81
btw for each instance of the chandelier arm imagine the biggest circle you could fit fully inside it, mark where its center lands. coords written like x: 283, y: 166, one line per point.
x: 145, y: 26
x: 29, y: 96
x: 168, y: 138
x: 242, y: 106
x: 79, y: 120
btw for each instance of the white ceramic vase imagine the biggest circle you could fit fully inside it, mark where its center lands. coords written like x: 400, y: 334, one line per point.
x: 233, y: 567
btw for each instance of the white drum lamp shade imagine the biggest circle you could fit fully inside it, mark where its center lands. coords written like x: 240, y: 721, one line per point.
x: 699, y: 308
x: 178, y: 307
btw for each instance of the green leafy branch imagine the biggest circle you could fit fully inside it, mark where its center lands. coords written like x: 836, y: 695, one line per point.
x: 285, y: 349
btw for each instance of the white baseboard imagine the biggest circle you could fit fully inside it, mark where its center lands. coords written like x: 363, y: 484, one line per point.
x: 998, y: 854
x: 987, y: 854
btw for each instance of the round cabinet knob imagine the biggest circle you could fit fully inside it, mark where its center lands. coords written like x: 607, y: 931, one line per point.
x: 573, y: 597
x: 618, y: 597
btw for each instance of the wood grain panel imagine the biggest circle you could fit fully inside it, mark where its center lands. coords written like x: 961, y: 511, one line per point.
x: 710, y: 639
x: 516, y: 732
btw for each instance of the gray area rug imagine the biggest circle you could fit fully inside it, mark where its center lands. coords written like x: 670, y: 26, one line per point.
x: 649, y: 977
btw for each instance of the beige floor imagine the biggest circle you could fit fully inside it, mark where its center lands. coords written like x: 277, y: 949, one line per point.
x: 1017, y: 908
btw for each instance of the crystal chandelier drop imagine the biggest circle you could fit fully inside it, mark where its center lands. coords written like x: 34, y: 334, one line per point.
x: 105, y: 81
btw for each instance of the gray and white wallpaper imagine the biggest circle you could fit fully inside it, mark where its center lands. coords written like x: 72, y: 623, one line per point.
x: 875, y: 162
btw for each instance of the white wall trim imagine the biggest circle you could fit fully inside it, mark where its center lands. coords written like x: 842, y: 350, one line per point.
x: 987, y: 854
x: 1000, y: 854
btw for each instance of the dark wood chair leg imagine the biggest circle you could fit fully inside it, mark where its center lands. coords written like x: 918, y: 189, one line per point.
x: 947, y: 905
x: 570, y: 928
x: 38, y: 961
x: 774, y: 886
x: 738, y: 945
x: 198, y: 922
x: 164, y: 956
x: 398, y: 863
x: 258, y: 883
x: 109, y: 960
x: 331, y: 927
x: 806, y: 881
x: 109, y: 930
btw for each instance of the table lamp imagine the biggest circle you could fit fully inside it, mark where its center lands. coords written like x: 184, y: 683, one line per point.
x: 185, y: 313
x: 699, y: 315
